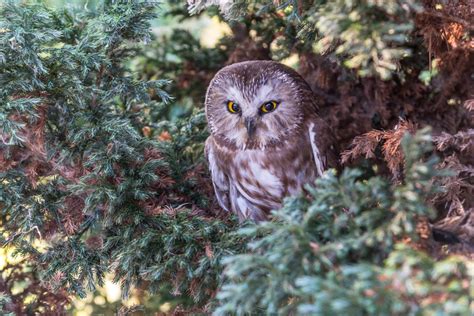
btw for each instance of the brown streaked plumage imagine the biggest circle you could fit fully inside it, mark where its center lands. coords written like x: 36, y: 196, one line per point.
x: 257, y: 157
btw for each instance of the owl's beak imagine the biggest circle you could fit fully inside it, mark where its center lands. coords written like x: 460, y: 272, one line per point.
x: 250, y: 125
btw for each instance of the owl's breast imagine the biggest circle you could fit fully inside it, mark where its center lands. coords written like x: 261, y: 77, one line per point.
x: 256, y: 180
x: 266, y: 177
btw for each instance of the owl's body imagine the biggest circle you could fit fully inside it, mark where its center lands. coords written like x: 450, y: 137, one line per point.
x: 266, y: 139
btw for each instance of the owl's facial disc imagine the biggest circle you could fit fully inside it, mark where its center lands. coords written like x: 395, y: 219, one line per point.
x: 256, y: 104
x: 246, y: 117
x: 251, y: 121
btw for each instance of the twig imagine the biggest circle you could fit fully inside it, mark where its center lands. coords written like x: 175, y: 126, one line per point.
x: 466, y: 24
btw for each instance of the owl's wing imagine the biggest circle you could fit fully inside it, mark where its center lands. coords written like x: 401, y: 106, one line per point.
x: 219, y: 180
x: 322, y: 146
x: 244, y: 208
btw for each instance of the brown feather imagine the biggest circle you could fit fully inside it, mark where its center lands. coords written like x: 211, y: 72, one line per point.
x: 253, y: 172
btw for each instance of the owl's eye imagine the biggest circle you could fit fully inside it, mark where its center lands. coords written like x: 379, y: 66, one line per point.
x: 268, y: 106
x: 233, y: 107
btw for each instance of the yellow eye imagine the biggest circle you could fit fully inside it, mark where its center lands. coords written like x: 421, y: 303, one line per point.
x: 233, y: 107
x: 268, y: 106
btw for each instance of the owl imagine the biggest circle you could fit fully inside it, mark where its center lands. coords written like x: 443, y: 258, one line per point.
x: 266, y: 140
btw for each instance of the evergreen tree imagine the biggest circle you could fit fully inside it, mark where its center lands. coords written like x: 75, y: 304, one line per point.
x: 96, y: 176
x: 76, y: 173
x: 345, y: 250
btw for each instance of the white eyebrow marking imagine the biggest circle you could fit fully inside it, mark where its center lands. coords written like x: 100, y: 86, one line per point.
x: 263, y: 93
x: 234, y: 94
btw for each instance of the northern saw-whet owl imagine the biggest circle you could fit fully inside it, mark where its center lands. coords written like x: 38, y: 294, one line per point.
x: 266, y: 139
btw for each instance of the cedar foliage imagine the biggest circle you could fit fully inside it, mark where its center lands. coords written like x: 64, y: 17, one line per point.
x: 95, y: 178
x: 343, y: 250
x: 76, y: 173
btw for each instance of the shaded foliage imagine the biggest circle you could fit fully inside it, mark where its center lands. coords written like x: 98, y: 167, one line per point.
x: 76, y: 171
x: 23, y: 293
x: 327, y: 253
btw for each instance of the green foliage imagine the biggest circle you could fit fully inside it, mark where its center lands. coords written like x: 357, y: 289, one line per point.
x: 369, y: 36
x: 326, y: 253
x: 84, y: 178
x: 181, y: 58
x: 62, y: 74
x: 170, y: 249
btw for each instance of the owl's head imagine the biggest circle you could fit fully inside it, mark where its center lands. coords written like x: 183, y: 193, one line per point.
x: 255, y: 104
